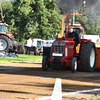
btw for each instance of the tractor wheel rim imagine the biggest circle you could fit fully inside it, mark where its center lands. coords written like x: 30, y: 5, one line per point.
x: 92, y: 58
x: 3, y: 44
x: 75, y: 66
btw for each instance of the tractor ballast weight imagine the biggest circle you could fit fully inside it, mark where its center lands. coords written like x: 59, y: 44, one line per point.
x: 62, y: 52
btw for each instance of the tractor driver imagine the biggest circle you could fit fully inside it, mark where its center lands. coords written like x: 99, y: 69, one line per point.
x: 75, y: 37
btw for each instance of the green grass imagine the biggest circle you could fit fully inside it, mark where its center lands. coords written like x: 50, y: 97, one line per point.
x: 95, y: 99
x: 21, y: 58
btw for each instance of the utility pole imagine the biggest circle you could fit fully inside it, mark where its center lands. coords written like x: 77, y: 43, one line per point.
x: 73, y: 17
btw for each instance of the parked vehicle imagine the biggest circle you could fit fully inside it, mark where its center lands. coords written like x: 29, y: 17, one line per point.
x: 7, y: 41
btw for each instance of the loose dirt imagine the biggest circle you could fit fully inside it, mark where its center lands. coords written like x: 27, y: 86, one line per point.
x: 23, y: 81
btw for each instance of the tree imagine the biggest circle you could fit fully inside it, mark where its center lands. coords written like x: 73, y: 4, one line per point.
x: 91, y: 20
x: 36, y: 18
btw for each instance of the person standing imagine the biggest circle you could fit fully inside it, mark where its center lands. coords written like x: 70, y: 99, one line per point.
x: 53, y: 37
x: 29, y: 44
x: 34, y: 45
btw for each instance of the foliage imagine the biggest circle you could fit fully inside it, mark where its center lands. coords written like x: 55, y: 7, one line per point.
x: 91, y: 20
x: 36, y: 18
x: 7, y: 10
x: 95, y: 99
x: 31, y: 18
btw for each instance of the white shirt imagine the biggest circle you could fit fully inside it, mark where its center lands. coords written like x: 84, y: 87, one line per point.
x: 29, y: 43
x: 34, y: 43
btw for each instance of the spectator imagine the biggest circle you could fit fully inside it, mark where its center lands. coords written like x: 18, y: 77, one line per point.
x: 53, y: 37
x: 29, y: 44
x: 34, y: 45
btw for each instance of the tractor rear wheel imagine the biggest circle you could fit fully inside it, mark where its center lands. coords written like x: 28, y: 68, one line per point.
x: 88, y: 56
x: 74, y: 65
x: 5, y: 43
x: 45, y: 63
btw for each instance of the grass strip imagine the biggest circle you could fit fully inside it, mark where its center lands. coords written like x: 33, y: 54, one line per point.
x: 21, y: 58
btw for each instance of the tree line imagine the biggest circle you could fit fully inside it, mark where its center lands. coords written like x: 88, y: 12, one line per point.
x: 90, y: 19
x: 38, y: 18
x: 32, y: 18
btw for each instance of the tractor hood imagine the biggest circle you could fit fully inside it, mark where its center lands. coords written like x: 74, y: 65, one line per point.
x: 67, y: 41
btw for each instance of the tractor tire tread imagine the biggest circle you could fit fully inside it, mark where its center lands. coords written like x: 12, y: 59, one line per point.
x: 85, y: 56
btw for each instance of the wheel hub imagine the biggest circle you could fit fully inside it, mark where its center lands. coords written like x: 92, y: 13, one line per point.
x: 3, y: 44
x: 75, y: 66
x: 92, y: 58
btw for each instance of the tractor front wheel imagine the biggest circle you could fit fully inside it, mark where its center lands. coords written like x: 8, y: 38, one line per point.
x: 45, y: 63
x: 74, y: 65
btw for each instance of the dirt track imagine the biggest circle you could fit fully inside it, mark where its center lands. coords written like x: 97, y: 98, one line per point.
x: 28, y: 81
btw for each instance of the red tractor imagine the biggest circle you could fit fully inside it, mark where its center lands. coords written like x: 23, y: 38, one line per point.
x: 7, y: 41
x: 62, y: 52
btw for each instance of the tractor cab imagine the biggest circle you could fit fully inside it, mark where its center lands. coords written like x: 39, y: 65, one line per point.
x: 3, y: 28
x: 78, y: 29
